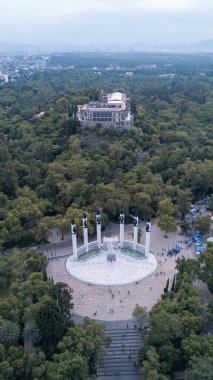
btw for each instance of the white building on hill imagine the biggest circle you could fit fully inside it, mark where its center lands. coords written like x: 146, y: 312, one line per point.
x: 111, y: 110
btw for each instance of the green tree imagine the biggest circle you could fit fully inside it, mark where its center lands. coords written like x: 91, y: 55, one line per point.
x: 196, y: 345
x: 166, y: 289
x: 167, y: 223
x: 62, y: 294
x: 69, y: 366
x: 201, y: 368
x: 92, y: 338
x: 35, y: 262
x: 9, y: 332
x: 166, y: 207
x: 6, y: 370
x: 140, y: 315
x: 35, y: 365
x: 16, y: 359
x: 32, y: 289
x: 151, y: 369
x: 31, y: 335
x: 207, y: 266
x: 210, y: 203
x: 143, y: 204
x: 44, y: 228
x: 203, y: 224
x: 11, y: 308
x: 50, y: 322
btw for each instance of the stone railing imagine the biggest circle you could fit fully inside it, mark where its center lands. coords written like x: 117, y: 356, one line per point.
x: 126, y: 245
x: 82, y: 250
x: 130, y: 245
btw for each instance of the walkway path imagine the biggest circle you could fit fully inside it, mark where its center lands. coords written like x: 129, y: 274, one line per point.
x: 121, y: 358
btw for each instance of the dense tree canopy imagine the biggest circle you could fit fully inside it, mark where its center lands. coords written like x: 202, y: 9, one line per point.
x: 52, y: 170
x: 52, y: 165
x: 38, y: 340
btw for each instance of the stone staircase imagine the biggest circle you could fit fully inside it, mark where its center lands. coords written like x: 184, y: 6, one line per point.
x: 121, y: 359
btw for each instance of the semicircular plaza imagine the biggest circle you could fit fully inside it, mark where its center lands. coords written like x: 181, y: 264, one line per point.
x: 124, y: 270
x: 116, y: 302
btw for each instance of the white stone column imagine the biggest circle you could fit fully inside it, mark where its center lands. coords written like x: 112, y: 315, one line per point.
x: 135, y: 242
x: 98, y: 224
x: 85, y: 231
x: 121, y: 228
x: 148, y: 234
x: 74, y: 239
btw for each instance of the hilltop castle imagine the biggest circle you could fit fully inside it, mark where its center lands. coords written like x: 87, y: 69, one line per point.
x: 111, y: 110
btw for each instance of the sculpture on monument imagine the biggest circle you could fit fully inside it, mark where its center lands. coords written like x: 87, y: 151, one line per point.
x: 121, y: 217
x: 74, y: 238
x: 121, y: 228
x: 135, y: 231
x: 148, y: 225
x: 115, y: 261
x: 148, y: 233
x: 85, y: 231
x: 110, y: 244
x: 98, y: 225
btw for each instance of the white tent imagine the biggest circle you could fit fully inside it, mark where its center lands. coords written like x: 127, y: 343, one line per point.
x: 210, y: 239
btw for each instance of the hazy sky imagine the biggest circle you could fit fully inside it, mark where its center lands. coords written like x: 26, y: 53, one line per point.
x: 106, y: 21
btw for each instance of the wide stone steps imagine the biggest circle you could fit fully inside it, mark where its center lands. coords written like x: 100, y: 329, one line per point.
x: 121, y: 359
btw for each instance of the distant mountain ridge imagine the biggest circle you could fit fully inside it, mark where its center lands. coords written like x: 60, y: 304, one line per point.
x: 9, y: 47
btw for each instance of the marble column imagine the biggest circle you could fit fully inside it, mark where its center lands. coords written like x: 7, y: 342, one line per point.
x: 74, y: 238
x: 121, y: 228
x: 85, y: 231
x: 148, y: 233
x: 98, y: 224
x: 135, y: 242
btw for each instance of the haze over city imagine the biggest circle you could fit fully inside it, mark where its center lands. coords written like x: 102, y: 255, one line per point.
x: 106, y: 22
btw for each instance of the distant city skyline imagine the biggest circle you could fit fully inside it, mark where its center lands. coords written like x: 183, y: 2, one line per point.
x: 111, y: 22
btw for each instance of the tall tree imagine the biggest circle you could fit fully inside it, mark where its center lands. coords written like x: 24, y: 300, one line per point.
x: 167, y: 223
x: 9, y: 332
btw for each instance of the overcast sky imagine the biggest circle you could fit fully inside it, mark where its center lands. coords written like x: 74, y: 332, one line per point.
x: 125, y: 22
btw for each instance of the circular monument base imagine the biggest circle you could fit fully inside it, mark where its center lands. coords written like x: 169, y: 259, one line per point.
x: 98, y: 271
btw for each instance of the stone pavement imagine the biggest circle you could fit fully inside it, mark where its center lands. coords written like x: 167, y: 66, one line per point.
x: 117, y: 303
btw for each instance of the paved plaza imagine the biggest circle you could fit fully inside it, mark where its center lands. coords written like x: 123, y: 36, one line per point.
x: 118, y: 302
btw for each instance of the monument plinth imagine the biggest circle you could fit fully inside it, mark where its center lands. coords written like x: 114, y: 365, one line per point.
x: 112, y: 261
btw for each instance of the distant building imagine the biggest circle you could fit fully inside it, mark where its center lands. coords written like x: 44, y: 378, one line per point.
x: 39, y: 115
x: 111, y: 110
x: 4, y: 78
x: 129, y: 73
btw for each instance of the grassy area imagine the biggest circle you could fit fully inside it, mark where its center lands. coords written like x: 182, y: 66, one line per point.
x: 88, y: 255
x: 132, y: 253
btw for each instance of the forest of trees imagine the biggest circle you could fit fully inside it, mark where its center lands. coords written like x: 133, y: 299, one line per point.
x: 38, y: 340
x: 181, y: 323
x: 51, y: 168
